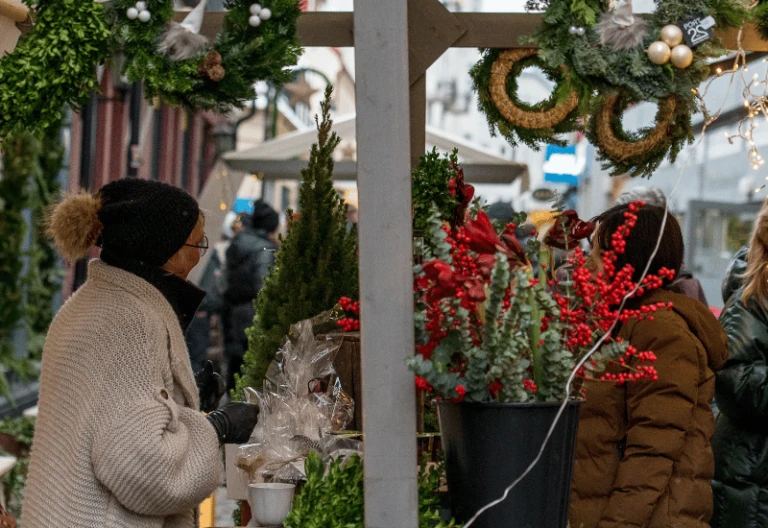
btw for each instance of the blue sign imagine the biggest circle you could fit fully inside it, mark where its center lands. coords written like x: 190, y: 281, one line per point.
x: 563, y: 164
x: 243, y: 205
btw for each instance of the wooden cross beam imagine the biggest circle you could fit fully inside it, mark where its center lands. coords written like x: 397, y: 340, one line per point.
x: 433, y: 30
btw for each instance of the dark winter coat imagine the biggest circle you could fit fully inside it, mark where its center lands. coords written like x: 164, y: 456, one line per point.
x: 249, y: 257
x: 643, y: 455
x: 740, y: 443
x: 689, y: 285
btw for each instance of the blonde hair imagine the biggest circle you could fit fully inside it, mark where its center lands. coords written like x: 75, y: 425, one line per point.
x: 755, y: 278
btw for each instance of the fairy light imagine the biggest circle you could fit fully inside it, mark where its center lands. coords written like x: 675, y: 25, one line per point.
x: 755, y: 96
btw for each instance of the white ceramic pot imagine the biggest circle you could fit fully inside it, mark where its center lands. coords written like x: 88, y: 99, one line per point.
x: 270, y: 502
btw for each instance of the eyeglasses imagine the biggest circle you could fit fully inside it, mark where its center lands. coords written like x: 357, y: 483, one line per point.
x: 202, y: 247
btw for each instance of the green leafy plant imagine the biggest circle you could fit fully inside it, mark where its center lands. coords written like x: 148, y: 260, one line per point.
x: 431, y: 188
x: 20, y: 166
x: 43, y: 278
x: 316, y: 264
x: 53, y: 66
x: 333, y: 496
x: 247, y: 54
x: 14, y: 483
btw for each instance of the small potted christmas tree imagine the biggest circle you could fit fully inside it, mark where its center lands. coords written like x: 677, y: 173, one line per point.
x: 316, y: 263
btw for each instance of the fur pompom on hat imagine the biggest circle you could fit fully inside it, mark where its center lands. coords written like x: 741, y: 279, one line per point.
x: 132, y: 219
x: 74, y: 224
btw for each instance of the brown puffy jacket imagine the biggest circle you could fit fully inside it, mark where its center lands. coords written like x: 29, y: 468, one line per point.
x: 643, y: 455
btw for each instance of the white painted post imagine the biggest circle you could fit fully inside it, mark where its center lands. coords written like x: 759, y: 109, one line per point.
x: 384, y: 187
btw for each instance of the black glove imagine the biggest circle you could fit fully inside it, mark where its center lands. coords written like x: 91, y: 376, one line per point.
x: 211, y: 387
x: 235, y: 422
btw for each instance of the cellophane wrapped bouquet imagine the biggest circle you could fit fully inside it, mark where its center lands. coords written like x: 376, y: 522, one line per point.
x: 302, y: 403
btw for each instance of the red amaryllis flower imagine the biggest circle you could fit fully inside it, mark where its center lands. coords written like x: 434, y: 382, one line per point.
x: 485, y: 264
x: 484, y: 240
x: 568, y: 230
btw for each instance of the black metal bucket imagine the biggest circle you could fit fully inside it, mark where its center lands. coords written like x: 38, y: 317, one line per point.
x: 489, y: 445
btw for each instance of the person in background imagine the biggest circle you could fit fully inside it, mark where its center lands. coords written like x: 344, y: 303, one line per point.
x: 249, y: 257
x: 120, y: 439
x: 685, y: 282
x: 741, y: 437
x: 198, y: 334
x: 643, y: 454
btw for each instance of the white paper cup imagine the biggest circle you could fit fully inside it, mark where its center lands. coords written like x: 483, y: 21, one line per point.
x: 270, y: 502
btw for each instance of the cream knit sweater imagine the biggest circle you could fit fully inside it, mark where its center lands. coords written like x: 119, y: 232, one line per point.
x: 119, y: 442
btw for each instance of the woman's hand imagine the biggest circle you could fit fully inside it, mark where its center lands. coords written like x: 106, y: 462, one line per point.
x: 211, y: 387
x: 235, y: 422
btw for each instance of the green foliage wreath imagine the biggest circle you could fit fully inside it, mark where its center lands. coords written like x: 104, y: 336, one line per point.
x: 517, y: 132
x: 569, y: 39
x: 53, y: 66
x: 599, y: 69
x: 245, y: 53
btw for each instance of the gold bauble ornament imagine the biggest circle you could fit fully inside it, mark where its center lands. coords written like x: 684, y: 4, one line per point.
x: 682, y: 56
x: 659, y: 52
x: 671, y: 35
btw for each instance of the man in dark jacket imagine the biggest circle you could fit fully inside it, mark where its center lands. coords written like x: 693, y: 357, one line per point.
x: 249, y: 258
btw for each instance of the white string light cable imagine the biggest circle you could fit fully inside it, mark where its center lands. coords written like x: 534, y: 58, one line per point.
x: 708, y: 120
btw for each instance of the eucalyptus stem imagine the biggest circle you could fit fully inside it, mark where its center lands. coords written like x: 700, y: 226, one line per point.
x: 538, y: 367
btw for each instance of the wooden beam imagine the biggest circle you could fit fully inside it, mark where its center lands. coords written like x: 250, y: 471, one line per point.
x: 386, y: 264
x: 418, y: 105
x: 483, y: 30
x: 270, y: 170
x: 432, y: 29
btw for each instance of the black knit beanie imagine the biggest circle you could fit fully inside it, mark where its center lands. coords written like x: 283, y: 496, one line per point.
x: 145, y: 220
x: 264, y: 217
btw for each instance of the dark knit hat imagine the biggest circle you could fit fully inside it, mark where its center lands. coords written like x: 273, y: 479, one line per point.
x: 264, y: 217
x: 145, y: 220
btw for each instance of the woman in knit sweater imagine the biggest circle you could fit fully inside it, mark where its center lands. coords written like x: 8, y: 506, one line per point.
x: 120, y: 440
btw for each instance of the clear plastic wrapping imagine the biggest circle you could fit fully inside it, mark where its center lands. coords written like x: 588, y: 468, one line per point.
x: 302, y: 403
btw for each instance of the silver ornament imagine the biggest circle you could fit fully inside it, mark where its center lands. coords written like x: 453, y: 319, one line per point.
x: 671, y: 35
x: 265, y: 14
x: 682, y: 56
x: 132, y: 13
x: 580, y: 31
x: 141, y: 6
x: 659, y: 52
x: 254, y: 21
x: 255, y: 8
x: 572, y: 30
x: 144, y: 16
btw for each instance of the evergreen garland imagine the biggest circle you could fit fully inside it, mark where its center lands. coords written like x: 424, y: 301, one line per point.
x: 498, y: 124
x: 316, y: 264
x: 248, y: 54
x: 52, y: 66
x: 19, y: 166
x: 759, y: 15
x: 43, y: 278
x: 598, y: 69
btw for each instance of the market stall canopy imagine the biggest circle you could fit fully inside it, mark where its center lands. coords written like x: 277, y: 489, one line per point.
x: 275, y: 159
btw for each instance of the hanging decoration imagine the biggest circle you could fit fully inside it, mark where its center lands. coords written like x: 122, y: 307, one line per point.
x: 606, y: 58
x: 496, y: 81
x: 184, y: 68
x: 53, y: 66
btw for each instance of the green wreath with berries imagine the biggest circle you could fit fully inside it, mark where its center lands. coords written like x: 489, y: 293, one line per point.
x: 53, y: 66
x: 181, y: 67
